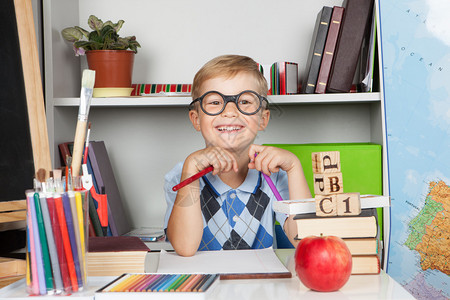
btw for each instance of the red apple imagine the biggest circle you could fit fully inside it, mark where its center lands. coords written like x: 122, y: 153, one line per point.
x: 323, y: 263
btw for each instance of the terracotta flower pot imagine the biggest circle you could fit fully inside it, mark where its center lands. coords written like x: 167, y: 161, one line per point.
x: 113, y: 68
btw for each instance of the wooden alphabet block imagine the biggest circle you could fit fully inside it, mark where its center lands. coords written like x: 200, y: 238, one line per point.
x: 326, y: 162
x: 326, y: 205
x: 329, y: 183
x: 348, y: 204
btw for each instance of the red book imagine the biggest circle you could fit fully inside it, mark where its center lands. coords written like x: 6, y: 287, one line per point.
x: 330, y: 46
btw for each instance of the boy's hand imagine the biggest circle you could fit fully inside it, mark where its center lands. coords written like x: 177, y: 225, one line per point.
x: 271, y: 159
x: 221, y: 160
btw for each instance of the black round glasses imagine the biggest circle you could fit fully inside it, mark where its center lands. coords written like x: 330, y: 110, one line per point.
x: 213, y: 103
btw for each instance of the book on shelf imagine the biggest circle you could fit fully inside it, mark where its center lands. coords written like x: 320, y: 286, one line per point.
x: 329, y: 49
x: 104, y: 175
x: 115, y: 255
x: 365, y: 264
x: 282, y: 77
x: 362, y: 226
x: 304, y: 206
x: 367, y: 58
x: 316, y: 50
x: 357, y: 16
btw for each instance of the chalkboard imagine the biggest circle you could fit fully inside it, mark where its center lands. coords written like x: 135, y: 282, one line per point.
x: 23, y: 129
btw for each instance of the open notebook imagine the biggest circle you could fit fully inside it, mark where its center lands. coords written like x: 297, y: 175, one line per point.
x: 230, y: 264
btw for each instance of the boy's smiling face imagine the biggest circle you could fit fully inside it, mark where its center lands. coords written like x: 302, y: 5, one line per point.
x: 230, y: 130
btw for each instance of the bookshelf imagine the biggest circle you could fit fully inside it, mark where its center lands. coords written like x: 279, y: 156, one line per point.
x: 147, y: 136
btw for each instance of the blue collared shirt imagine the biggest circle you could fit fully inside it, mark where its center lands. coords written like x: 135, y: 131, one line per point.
x: 234, y: 218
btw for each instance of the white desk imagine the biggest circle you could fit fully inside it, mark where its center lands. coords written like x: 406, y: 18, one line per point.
x: 358, y: 287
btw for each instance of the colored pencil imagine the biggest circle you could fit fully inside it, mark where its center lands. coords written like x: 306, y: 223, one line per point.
x: 271, y: 185
x: 37, y: 245
x: 146, y: 281
x: 189, y: 278
x: 44, y: 243
x: 160, y: 283
x: 196, y: 287
x: 141, y: 278
x: 116, y: 282
x: 191, y: 283
x: 155, y: 283
x: 123, y: 283
x: 176, y: 283
x: 33, y: 259
x: 59, y: 243
x: 131, y: 283
x: 192, y: 178
x: 208, y: 283
x: 51, y: 243
x: 143, y: 287
x: 66, y: 242
x: 168, y: 283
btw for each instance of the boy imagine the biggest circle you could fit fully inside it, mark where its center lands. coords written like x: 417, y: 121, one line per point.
x: 230, y: 208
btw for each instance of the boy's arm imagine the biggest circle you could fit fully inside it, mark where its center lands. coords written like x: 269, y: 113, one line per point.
x: 185, y: 226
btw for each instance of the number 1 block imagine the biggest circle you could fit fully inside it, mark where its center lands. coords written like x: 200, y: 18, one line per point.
x: 348, y: 204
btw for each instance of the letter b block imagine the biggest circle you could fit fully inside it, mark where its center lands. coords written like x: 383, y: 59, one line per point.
x: 348, y: 204
x: 326, y: 205
x: 326, y: 162
x: 326, y: 184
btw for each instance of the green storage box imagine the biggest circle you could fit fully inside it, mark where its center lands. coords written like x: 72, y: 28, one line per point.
x: 361, y: 165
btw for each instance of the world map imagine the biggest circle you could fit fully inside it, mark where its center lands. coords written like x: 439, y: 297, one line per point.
x: 415, y: 41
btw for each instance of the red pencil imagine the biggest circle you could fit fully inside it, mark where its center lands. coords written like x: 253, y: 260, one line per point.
x: 192, y: 178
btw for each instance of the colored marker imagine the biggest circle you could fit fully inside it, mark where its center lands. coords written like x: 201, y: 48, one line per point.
x: 66, y: 242
x: 34, y: 274
x: 37, y: 244
x: 44, y: 243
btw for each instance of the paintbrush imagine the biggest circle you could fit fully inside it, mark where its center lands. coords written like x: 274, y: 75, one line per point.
x: 87, y: 88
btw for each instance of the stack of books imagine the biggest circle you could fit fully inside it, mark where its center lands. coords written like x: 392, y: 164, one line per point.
x: 360, y: 233
x: 115, y: 255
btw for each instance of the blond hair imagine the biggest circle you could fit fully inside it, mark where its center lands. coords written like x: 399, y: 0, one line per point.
x: 228, y: 66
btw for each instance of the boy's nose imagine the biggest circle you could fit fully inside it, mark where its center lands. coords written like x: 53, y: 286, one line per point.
x: 230, y: 110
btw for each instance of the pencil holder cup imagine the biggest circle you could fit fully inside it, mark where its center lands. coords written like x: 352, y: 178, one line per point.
x: 57, y: 235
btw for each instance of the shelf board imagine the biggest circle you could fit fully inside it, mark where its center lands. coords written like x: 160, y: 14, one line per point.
x: 184, y: 101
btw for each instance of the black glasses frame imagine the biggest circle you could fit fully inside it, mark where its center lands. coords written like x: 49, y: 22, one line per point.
x: 229, y: 98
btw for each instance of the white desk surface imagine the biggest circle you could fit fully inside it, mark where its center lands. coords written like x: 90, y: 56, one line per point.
x: 380, y: 286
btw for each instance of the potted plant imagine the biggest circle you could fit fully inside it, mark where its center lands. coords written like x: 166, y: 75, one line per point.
x: 110, y: 55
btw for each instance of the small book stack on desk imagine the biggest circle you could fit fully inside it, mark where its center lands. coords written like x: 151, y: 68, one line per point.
x: 340, y: 214
x: 115, y: 255
x: 360, y: 233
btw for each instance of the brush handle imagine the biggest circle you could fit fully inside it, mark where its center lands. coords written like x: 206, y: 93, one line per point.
x: 78, y: 145
x: 192, y: 178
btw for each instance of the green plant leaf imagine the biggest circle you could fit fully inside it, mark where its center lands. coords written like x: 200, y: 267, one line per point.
x: 83, y: 31
x: 71, y: 34
x: 95, y: 23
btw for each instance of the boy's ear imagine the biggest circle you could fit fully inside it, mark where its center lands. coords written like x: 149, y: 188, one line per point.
x: 195, y: 120
x: 264, y: 121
